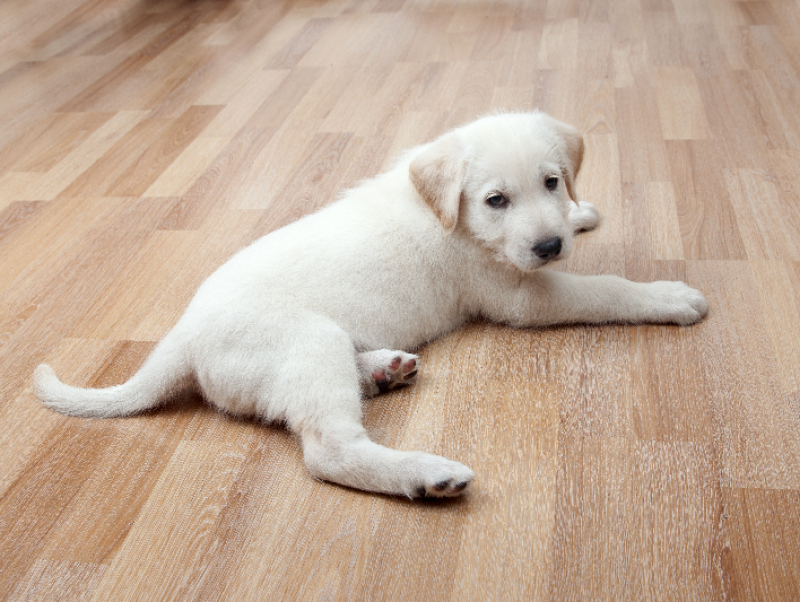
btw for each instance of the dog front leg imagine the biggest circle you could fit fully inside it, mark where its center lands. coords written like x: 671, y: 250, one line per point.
x: 583, y: 216
x: 549, y: 297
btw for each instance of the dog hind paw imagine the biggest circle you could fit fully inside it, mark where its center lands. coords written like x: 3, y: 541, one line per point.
x: 443, y: 478
x: 385, y: 369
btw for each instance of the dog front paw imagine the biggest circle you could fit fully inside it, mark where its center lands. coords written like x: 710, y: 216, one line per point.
x: 678, y: 303
x: 584, y: 216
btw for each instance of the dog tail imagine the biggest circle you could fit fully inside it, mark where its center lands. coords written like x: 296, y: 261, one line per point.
x: 164, y: 371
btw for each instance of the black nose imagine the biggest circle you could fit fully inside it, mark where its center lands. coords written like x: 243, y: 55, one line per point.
x: 548, y: 249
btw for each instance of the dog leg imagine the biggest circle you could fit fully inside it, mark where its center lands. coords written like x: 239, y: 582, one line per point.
x: 314, y: 384
x: 550, y: 297
x: 341, y: 452
x: 583, y: 216
x: 385, y: 369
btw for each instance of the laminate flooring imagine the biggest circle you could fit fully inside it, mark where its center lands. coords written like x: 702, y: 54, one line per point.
x: 142, y: 142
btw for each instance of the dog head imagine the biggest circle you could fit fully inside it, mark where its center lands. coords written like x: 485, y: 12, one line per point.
x: 509, y: 181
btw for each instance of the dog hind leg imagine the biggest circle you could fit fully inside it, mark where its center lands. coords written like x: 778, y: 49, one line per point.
x: 318, y: 385
x: 341, y: 452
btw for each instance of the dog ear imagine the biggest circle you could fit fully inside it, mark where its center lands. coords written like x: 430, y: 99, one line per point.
x: 573, y: 153
x: 438, y: 175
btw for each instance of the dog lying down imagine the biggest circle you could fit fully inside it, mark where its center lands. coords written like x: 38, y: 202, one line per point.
x: 302, y: 324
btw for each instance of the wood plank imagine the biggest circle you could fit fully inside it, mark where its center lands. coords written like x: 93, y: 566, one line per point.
x: 778, y: 291
x: 48, y: 186
x: 157, y: 158
x: 708, y: 226
x: 559, y: 45
x: 639, y: 491
x: 192, y: 209
x: 50, y: 488
x: 51, y: 580
x: 763, y: 524
x: 193, y: 485
x: 599, y: 184
x: 642, y: 151
x: 651, y: 221
x: 756, y: 436
x: 495, y: 519
x: 50, y: 141
x: 765, y: 234
x: 683, y: 116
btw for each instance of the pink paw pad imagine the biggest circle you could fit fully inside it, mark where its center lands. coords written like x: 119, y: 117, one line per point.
x: 379, y: 376
x: 398, y: 372
x: 385, y: 369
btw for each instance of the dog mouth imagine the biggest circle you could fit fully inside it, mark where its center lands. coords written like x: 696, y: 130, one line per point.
x: 528, y: 265
x: 532, y: 262
x: 540, y: 263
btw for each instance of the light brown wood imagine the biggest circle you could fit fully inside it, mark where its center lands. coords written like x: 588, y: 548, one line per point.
x: 143, y: 142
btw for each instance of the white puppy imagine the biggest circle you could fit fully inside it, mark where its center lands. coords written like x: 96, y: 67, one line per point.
x: 297, y: 326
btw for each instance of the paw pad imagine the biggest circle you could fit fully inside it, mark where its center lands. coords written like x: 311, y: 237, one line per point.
x: 397, y: 373
x: 384, y: 370
x: 445, y: 488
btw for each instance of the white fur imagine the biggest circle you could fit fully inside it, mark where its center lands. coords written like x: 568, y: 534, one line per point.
x: 288, y: 328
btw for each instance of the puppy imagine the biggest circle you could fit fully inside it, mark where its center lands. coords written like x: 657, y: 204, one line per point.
x: 299, y: 326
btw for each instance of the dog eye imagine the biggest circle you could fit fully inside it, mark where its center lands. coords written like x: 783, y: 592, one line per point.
x: 551, y: 183
x: 497, y: 201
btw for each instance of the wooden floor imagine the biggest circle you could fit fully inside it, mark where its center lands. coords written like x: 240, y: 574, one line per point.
x: 144, y: 141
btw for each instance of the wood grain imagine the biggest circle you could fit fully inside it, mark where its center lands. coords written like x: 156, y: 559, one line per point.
x: 142, y: 143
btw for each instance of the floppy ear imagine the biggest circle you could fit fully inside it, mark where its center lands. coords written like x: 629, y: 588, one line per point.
x: 572, y: 145
x: 438, y: 175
